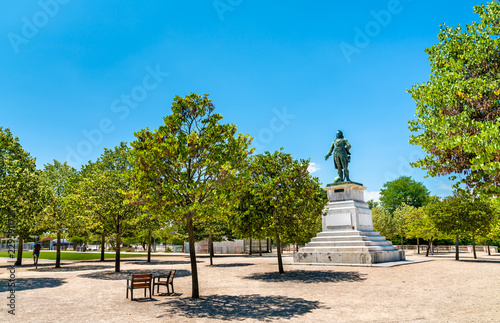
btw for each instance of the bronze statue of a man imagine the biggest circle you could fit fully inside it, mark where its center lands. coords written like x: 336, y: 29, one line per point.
x: 341, y: 155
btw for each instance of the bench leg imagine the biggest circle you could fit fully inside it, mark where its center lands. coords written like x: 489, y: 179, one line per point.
x: 127, y: 291
x: 131, y: 294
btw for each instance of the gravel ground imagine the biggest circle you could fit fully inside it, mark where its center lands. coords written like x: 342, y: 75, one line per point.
x: 248, y: 289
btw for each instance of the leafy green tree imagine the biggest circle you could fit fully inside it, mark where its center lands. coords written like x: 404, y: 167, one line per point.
x: 21, y: 199
x: 403, y: 190
x: 461, y: 215
x: 101, y: 191
x: 372, y: 204
x: 458, y: 109
x: 383, y: 223
x: 400, y: 216
x: 87, y: 202
x: 179, y: 166
x: 284, y: 199
x: 419, y: 225
x: 56, y: 179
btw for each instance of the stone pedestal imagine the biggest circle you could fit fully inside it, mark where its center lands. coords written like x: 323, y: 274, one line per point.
x: 348, y: 236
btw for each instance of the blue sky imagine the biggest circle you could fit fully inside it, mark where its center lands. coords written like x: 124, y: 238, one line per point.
x: 80, y: 76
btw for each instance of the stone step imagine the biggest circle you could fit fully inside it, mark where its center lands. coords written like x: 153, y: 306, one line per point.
x: 346, y: 249
x: 347, y: 243
x: 348, y: 233
x: 348, y: 238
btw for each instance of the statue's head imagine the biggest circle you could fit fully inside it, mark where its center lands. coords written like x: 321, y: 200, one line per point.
x: 340, y: 135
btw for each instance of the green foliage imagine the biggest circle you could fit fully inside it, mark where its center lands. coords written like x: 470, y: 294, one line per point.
x: 21, y: 199
x: 180, y: 168
x: 98, y: 196
x: 282, y: 201
x: 403, y: 190
x: 419, y: 225
x: 462, y: 215
x: 56, y: 180
x: 77, y: 240
x: 372, y: 204
x: 458, y: 109
x: 383, y: 223
x: 399, y: 219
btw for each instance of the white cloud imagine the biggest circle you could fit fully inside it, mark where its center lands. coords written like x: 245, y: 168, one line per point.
x: 375, y: 196
x: 313, y: 167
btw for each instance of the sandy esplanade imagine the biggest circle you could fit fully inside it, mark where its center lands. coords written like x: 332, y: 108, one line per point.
x: 248, y: 289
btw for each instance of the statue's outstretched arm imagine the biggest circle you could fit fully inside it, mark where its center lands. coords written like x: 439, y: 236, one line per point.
x: 330, y: 151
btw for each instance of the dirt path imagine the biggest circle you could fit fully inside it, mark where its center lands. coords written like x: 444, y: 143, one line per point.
x: 247, y: 289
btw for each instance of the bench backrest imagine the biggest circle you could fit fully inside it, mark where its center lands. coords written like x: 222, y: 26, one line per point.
x: 171, y: 277
x: 141, y: 280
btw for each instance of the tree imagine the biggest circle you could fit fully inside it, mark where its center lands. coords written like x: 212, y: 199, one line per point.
x: 101, y: 192
x: 458, y: 109
x: 400, y: 216
x: 284, y: 199
x: 178, y: 166
x: 372, y: 204
x: 56, y: 179
x: 21, y: 199
x: 87, y: 202
x: 419, y: 225
x: 383, y: 222
x: 403, y: 190
x: 462, y: 215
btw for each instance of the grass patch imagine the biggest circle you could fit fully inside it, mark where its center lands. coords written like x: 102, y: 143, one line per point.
x: 68, y: 255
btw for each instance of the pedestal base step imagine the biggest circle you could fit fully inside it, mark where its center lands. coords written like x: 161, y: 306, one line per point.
x: 372, y: 257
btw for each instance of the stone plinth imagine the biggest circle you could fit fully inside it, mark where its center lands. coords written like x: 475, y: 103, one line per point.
x: 348, y: 236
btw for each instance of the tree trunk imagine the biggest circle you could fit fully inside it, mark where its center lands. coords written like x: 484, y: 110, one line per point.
x: 192, y: 254
x: 260, y: 247
x: 117, y: 250
x: 278, y: 247
x: 149, y: 246
x: 474, y: 246
x: 296, y: 247
x: 488, y: 244
x: 102, y: 246
x: 457, y: 256
x: 58, y: 250
x: 428, y: 247
x: 19, y: 251
x: 418, y: 246
x: 211, y: 247
x: 401, y: 242
x: 250, y: 250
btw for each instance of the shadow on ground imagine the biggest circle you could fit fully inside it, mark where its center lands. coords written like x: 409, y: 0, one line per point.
x: 486, y: 261
x: 31, y: 283
x: 238, y: 308
x: 124, y: 274
x: 160, y: 262
x: 230, y: 265
x: 309, y: 276
x: 51, y: 268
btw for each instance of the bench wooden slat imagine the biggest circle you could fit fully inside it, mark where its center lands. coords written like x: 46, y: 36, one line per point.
x: 142, y: 275
x: 142, y: 279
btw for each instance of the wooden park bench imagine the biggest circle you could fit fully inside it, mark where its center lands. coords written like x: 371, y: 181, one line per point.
x: 139, y: 281
x: 170, y: 281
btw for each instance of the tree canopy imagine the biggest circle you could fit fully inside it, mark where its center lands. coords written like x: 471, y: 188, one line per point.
x: 179, y: 167
x: 21, y: 199
x: 282, y: 201
x: 403, y: 190
x: 458, y: 109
